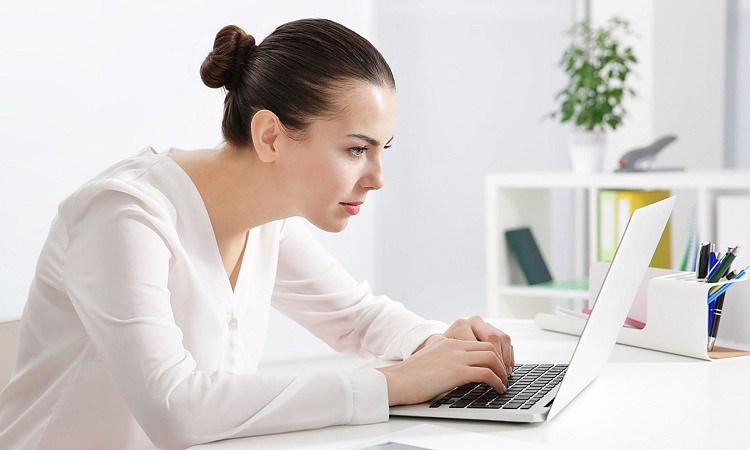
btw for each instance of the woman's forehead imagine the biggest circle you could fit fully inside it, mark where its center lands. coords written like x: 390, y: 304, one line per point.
x: 363, y: 109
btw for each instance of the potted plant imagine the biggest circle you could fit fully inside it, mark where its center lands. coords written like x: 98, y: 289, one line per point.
x: 598, y: 66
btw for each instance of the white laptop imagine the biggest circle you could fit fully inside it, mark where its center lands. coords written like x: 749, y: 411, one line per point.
x: 538, y: 392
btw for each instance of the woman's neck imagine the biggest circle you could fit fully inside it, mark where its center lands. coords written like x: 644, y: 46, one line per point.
x: 237, y: 188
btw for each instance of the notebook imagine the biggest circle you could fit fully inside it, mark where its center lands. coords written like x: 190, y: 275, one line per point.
x: 538, y: 392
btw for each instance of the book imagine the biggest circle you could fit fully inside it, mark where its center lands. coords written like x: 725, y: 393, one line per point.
x: 615, y: 208
x: 524, y: 248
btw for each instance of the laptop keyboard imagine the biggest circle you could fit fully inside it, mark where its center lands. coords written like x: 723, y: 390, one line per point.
x: 527, y: 385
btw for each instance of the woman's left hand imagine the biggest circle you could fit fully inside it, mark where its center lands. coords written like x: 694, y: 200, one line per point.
x: 476, y: 329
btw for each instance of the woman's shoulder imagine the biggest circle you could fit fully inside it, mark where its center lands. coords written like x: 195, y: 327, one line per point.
x: 137, y: 180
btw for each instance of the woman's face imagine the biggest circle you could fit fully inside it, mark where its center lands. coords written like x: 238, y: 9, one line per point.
x: 327, y: 175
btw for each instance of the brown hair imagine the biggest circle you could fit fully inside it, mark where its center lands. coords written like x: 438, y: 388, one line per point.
x: 292, y: 73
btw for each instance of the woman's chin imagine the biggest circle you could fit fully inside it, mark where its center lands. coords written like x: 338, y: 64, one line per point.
x: 334, y: 226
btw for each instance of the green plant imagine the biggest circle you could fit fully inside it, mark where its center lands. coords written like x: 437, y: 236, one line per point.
x: 598, y: 66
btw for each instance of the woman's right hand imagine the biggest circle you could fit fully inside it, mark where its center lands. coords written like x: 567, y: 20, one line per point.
x: 442, y: 366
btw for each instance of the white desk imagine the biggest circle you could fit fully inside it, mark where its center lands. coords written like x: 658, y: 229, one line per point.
x: 643, y: 399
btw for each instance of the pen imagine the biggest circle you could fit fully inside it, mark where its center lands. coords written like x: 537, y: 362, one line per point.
x: 718, y: 296
x: 713, y: 258
x: 722, y: 267
x: 724, y: 287
x: 703, y: 260
x: 735, y: 274
x: 718, y: 270
x: 716, y: 317
x: 730, y: 276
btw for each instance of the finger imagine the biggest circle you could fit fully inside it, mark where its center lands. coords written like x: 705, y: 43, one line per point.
x: 490, y: 360
x: 477, y: 347
x: 488, y: 376
x: 512, y: 359
x: 507, y: 351
x: 487, y: 333
x: 461, y: 329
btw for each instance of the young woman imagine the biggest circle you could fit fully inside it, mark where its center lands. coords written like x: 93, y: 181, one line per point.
x: 148, y: 311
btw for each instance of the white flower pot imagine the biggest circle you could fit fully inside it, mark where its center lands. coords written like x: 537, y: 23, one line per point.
x: 587, y: 150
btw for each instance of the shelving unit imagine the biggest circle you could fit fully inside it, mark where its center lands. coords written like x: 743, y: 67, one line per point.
x: 560, y: 209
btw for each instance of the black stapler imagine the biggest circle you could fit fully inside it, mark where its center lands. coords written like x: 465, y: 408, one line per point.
x: 642, y: 159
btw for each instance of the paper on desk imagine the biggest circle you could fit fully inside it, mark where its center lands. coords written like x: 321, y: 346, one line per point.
x: 433, y: 437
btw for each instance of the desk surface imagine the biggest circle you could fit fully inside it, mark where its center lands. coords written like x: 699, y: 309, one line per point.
x: 642, y: 399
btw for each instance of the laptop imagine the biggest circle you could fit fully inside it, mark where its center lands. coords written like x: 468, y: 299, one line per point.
x: 538, y: 392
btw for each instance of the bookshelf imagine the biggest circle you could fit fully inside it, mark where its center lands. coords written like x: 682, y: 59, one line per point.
x: 560, y: 208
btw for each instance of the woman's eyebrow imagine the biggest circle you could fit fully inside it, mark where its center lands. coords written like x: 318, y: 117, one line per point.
x: 372, y: 141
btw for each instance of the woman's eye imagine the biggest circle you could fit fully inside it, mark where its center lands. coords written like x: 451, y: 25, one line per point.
x: 357, y: 151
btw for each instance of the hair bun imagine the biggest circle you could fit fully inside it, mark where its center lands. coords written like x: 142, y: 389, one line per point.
x: 225, y: 64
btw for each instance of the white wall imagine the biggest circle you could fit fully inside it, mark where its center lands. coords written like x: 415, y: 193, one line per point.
x: 638, y: 127
x: 474, y: 79
x: 85, y: 83
x: 690, y: 80
x: 88, y: 82
x: 680, y: 79
x: 738, y: 88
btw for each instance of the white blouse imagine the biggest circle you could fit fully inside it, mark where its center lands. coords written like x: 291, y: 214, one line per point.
x: 132, y: 336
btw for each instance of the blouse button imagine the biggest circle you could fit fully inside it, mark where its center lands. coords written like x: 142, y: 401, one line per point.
x: 232, y: 324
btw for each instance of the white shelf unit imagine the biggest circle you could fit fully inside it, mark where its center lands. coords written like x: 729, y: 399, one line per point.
x: 533, y: 199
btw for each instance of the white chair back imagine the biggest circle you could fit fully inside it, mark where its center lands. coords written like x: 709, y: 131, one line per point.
x: 9, y: 327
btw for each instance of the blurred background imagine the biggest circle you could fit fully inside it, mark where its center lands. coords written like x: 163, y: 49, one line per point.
x: 85, y: 83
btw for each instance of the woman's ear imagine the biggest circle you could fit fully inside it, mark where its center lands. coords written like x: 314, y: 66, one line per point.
x: 265, y: 129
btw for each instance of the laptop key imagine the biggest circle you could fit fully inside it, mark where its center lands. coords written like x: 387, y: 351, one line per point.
x: 460, y: 404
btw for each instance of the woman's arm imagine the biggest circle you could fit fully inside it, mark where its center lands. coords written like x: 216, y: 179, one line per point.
x: 316, y: 291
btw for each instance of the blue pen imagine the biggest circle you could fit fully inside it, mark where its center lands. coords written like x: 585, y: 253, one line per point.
x: 712, y: 298
x: 718, y: 307
x: 713, y: 258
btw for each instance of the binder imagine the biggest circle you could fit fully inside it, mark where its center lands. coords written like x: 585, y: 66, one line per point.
x: 615, y: 209
x: 607, y: 233
x: 523, y: 246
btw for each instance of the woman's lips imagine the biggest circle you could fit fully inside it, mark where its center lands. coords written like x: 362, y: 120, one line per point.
x: 351, y: 208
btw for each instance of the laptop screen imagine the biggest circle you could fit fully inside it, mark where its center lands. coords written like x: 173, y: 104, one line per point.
x: 613, y: 302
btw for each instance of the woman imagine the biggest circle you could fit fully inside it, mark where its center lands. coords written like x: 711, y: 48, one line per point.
x: 147, y: 314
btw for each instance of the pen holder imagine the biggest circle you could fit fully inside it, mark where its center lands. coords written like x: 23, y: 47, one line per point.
x: 676, y: 318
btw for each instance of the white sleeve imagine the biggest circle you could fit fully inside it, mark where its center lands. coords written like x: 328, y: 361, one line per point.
x: 316, y: 291
x: 116, y: 274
